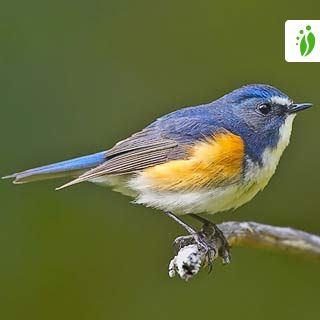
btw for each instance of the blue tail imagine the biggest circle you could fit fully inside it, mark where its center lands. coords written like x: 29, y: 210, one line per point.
x: 71, y: 167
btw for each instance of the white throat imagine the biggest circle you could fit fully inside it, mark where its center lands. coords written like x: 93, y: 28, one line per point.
x: 272, y: 156
x: 261, y: 175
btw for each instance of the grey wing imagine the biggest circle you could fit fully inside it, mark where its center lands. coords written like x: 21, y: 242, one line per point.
x: 140, y: 151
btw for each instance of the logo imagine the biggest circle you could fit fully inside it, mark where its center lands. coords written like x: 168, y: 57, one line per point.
x: 307, y: 41
x: 302, y: 41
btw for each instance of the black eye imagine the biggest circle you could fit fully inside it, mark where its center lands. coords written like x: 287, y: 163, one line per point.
x: 264, y: 109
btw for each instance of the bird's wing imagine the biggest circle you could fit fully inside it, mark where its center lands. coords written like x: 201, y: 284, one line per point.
x: 157, y: 144
x: 134, y: 154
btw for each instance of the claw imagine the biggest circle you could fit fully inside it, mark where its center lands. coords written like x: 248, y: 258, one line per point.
x: 225, y: 255
x: 182, y: 241
x: 226, y: 260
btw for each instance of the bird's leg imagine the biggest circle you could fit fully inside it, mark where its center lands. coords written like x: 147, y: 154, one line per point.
x: 183, y: 240
x: 182, y: 223
x: 204, y: 238
x: 215, y: 235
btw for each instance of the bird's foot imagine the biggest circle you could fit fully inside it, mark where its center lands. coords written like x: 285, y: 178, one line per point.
x: 210, y: 241
x: 221, y: 243
x: 198, y: 248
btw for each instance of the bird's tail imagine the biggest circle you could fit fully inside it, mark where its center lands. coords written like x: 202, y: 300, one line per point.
x: 71, y: 167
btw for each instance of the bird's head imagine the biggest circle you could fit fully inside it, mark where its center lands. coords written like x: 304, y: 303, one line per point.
x: 262, y: 115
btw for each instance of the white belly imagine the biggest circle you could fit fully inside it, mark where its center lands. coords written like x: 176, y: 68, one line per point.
x: 218, y: 199
x: 205, y: 200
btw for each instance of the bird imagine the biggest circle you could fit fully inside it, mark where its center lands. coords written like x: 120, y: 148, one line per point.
x: 202, y: 159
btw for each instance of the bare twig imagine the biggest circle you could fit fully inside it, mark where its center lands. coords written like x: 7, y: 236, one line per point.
x: 248, y: 234
x: 259, y: 235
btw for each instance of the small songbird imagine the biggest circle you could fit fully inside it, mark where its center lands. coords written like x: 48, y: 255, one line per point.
x: 202, y: 159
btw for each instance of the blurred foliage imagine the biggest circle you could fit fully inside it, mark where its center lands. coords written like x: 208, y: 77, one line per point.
x: 76, y: 76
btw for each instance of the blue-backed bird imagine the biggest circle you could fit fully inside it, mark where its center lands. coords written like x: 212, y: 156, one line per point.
x: 202, y: 159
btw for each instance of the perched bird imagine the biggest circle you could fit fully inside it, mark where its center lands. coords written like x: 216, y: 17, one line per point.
x: 202, y: 159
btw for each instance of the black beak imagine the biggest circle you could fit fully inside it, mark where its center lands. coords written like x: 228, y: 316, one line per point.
x: 296, y: 107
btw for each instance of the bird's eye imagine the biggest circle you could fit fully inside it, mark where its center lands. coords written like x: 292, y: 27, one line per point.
x: 264, y: 109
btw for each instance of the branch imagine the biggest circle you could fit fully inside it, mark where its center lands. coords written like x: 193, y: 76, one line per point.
x: 190, y: 258
x: 258, y: 235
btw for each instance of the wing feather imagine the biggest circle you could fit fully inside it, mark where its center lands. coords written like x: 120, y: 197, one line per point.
x: 126, y: 158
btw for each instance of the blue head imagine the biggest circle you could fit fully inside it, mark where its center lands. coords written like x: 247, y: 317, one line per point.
x: 261, y: 114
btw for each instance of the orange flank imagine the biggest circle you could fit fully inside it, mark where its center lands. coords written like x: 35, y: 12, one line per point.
x: 212, y: 162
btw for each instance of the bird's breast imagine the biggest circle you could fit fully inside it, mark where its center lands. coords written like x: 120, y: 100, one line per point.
x: 212, y: 162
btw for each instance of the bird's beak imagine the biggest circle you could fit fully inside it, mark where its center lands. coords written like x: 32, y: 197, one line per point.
x: 296, y: 107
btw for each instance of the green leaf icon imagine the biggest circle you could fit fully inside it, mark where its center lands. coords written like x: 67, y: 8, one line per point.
x: 307, y: 42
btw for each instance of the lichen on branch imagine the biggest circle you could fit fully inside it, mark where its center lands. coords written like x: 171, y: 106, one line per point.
x: 190, y: 258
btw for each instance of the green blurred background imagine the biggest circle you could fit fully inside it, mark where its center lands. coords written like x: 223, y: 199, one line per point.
x: 76, y: 76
